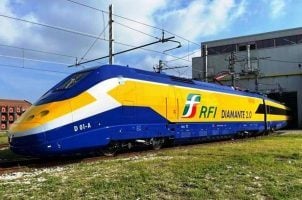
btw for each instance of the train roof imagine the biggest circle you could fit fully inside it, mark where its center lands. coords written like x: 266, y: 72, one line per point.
x: 91, y: 76
x: 110, y: 71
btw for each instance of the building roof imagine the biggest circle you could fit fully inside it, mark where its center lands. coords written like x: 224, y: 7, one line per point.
x: 254, y: 37
x: 14, y: 101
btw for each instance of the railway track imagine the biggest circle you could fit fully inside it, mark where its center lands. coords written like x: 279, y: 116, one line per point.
x: 7, y: 166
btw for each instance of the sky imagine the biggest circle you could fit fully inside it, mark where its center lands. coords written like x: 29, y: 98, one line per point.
x: 27, y: 74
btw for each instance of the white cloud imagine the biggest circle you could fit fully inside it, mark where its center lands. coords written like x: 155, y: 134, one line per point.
x: 191, y: 19
x: 198, y: 18
x: 277, y: 8
x: 239, y: 11
x: 11, y: 31
x: 202, y: 17
x: 140, y: 11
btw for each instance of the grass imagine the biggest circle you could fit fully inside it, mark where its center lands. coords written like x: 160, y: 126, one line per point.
x: 263, y: 168
x: 5, y: 153
x: 3, y: 137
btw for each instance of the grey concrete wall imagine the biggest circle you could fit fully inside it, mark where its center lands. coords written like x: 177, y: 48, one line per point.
x: 272, y: 71
x: 269, y: 65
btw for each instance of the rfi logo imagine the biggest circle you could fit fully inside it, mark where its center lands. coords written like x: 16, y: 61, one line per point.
x: 191, y: 105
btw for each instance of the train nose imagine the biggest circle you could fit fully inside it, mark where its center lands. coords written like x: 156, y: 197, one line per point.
x: 23, y: 140
x: 26, y: 137
x: 29, y: 135
x: 30, y: 123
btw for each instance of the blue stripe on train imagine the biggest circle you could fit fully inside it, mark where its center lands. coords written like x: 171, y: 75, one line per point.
x: 124, y: 123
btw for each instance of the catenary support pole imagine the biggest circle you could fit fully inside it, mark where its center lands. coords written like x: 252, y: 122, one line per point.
x: 205, y: 62
x: 111, y: 36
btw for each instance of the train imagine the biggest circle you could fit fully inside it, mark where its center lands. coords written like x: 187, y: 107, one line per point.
x: 111, y: 107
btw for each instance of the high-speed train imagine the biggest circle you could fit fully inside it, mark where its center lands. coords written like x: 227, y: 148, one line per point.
x: 111, y: 106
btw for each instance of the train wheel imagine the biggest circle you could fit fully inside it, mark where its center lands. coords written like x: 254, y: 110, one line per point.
x: 157, y: 143
x: 111, y: 150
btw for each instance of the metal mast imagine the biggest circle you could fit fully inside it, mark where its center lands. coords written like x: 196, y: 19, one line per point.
x: 232, y: 67
x: 205, y: 62
x: 111, y: 36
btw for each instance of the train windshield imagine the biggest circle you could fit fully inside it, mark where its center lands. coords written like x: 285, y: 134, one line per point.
x: 71, y: 81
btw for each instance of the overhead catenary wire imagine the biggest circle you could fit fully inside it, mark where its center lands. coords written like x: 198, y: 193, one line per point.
x: 241, y: 58
x: 94, y: 42
x: 87, y: 6
x: 151, y: 50
x: 128, y: 45
x: 155, y: 37
x: 84, y: 34
x: 104, y: 23
x: 142, y: 23
x: 54, y: 27
x: 182, y: 74
x: 35, y: 60
x: 30, y: 68
x: 282, y: 61
x: 38, y: 51
x: 124, y: 51
x: 161, y: 29
x: 182, y: 57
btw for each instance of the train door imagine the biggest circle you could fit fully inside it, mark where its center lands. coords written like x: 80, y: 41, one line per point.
x: 129, y: 100
x: 267, y: 115
x: 171, y: 107
x: 183, y: 127
x: 266, y: 125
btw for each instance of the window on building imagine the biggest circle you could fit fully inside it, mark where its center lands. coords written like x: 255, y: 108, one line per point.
x: 265, y: 43
x: 213, y: 51
x: 288, y: 40
x: 228, y: 48
x: 299, y: 39
x: 252, y: 46
x: 221, y: 49
x: 260, y: 44
x: 242, y: 47
x: 292, y: 39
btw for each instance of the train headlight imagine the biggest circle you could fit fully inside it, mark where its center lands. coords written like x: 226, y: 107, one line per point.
x: 30, y: 117
x: 44, y: 113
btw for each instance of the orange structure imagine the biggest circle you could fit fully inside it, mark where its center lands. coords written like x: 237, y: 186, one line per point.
x: 11, y: 110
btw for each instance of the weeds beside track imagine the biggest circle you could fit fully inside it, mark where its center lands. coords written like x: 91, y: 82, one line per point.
x: 264, y: 168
